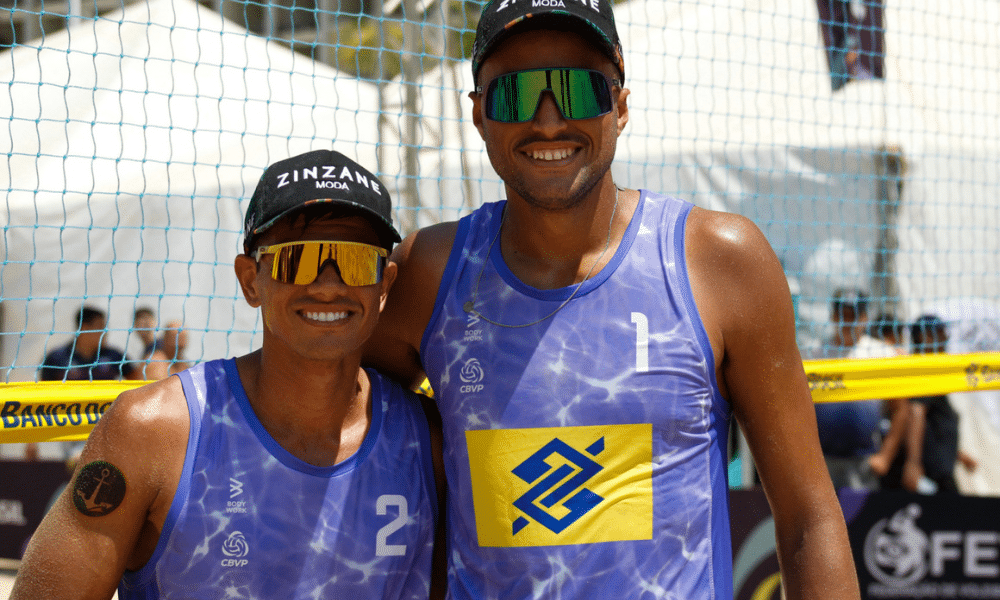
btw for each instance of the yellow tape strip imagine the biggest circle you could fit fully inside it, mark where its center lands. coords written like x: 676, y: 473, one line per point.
x: 902, y: 376
x: 53, y: 411
x: 57, y: 411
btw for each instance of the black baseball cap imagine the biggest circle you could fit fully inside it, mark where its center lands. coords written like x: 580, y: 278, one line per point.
x: 594, y: 19
x: 312, y: 179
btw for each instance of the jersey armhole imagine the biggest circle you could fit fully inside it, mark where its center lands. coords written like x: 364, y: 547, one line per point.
x: 697, y: 325
x: 196, y: 405
x: 720, y: 420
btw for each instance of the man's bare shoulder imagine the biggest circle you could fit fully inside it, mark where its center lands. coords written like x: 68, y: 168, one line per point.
x: 723, y: 236
x: 154, y: 415
x: 427, y: 249
x: 734, y: 274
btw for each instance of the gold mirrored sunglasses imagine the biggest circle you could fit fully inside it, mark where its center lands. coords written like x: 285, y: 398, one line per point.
x: 300, y: 262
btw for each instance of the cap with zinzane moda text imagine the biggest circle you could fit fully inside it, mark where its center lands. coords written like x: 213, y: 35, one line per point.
x: 503, y: 18
x: 313, y: 178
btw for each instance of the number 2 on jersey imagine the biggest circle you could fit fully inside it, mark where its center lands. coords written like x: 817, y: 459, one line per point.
x: 382, y: 547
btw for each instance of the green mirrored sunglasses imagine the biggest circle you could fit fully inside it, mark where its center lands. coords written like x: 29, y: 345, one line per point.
x: 579, y: 94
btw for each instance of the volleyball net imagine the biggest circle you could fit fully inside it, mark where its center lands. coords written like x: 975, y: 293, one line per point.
x: 862, y: 137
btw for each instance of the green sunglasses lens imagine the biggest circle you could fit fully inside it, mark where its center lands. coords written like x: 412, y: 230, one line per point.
x: 579, y: 94
x: 300, y: 262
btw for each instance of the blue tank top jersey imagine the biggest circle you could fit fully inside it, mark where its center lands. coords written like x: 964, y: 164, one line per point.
x: 585, y: 452
x: 250, y: 520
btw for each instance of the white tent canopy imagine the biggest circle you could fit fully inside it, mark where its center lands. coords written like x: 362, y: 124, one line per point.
x: 132, y: 140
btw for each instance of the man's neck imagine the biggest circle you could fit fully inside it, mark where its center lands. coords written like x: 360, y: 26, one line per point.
x: 550, y: 249
x: 320, y: 412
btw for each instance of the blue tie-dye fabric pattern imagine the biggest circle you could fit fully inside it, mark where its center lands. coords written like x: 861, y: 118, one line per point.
x: 628, y: 348
x: 249, y: 520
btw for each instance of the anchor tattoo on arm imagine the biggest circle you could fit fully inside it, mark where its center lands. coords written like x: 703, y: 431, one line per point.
x: 98, y: 489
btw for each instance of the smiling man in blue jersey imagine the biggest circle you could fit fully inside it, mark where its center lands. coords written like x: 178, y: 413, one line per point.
x: 588, y: 344
x: 290, y: 472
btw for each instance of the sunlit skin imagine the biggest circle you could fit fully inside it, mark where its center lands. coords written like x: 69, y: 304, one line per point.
x: 292, y: 313
x: 561, y: 196
x: 580, y: 151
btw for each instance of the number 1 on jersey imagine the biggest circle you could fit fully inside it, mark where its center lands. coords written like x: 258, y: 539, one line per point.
x: 641, y: 342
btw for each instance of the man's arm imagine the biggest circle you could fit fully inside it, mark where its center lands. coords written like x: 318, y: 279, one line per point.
x: 394, y: 349
x: 744, y: 302
x: 913, y: 468
x: 899, y: 414
x: 109, y: 517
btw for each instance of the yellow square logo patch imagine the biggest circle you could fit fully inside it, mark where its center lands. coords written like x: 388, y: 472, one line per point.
x: 562, y: 485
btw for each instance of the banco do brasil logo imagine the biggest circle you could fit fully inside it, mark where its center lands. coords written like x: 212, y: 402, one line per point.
x: 551, y: 487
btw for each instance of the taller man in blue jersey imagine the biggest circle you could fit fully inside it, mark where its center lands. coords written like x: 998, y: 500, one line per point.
x: 587, y: 345
x: 287, y: 473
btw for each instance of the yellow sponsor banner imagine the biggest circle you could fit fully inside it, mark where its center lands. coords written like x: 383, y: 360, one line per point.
x: 55, y: 411
x: 910, y: 376
x: 562, y: 485
x: 64, y: 411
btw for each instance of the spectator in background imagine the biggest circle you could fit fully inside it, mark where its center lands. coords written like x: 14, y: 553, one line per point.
x: 888, y: 463
x: 87, y: 357
x: 144, y: 326
x: 850, y: 432
x: 889, y: 329
x: 167, y: 356
x: 932, y: 433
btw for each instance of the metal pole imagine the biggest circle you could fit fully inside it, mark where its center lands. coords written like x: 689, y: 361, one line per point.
x: 890, y: 166
x: 411, y: 71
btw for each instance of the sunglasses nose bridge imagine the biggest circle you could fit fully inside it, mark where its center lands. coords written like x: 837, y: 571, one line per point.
x: 334, y: 267
x: 547, y: 110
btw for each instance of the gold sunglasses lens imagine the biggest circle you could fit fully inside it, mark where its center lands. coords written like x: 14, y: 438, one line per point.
x: 359, y: 264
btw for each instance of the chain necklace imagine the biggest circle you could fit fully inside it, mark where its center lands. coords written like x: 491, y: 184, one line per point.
x: 470, y: 305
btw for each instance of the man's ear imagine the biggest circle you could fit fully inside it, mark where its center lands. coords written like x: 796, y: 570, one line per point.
x: 622, y: 107
x: 246, y: 272
x: 388, y: 277
x: 477, y: 112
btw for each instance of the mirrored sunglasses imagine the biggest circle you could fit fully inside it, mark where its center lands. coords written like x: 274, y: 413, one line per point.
x: 300, y: 262
x: 579, y: 94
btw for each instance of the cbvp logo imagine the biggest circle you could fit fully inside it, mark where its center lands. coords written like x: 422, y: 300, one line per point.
x: 471, y: 374
x: 896, y: 549
x: 236, y: 548
x: 554, y: 489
